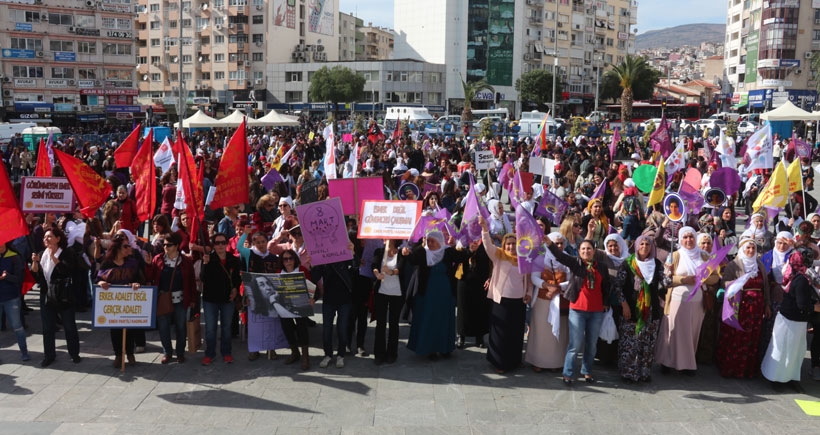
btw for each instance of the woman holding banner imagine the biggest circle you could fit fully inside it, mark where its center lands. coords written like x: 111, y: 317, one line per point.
x: 296, y: 329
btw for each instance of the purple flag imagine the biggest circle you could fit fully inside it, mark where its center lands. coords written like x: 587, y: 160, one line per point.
x: 599, y: 191
x: 725, y: 179
x: 470, y: 229
x: 529, y: 242
x: 660, y: 139
x: 430, y: 223
x: 271, y: 178
x: 715, y: 158
x: 802, y: 148
x: 505, y: 177
x: 613, y: 146
x: 552, y: 207
x: 691, y: 197
x: 709, y: 266
x: 517, y: 192
x: 731, y: 301
x: 716, y: 245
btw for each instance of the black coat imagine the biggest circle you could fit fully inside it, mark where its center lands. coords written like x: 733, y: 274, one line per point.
x: 64, y: 271
x: 218, y: 280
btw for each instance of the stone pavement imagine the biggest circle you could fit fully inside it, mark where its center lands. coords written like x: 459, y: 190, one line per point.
x: 460, y: 395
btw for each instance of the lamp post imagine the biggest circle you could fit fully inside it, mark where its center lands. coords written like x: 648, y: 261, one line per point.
x: 555, y: 57
x: 181, y: 102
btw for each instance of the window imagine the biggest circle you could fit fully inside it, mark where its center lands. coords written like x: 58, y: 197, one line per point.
x: 258, y: 37
x: 172, y: 24
x: 295, y: 76
x: 403, y: 76
x: 206, y: 75
x: 219, y: 20
x: 86, y: 73
x: 61, y: 45
x: 22, y: 16
x: 27, y: 43
x: 153, y: 7
x: 257, y: 19
x: 187, y: 58
x: 293, y: 96
x: 155, y: 42
x: 116, y: 49
x: 186, y: 23
x: 116, y: 23
x: 60, y: 19
x: 258, y: 57
x: 202, y: 22
x: 155, y: 59
x: 237, y: 75
x: 388, y: 76
x: 64, y: 99
x: 414, y: 77
x: 154, y: 25
x: 62, y: 73
x: 155, y: 77
x: 609, y: 42
x: 433, y: 98
x: 219, y: 39
x: 219, y: 75
x: 27, y: 71
x: 187, y: 76
x: 237, y: 2
x: 85, y: 21
x: 219, y: 4
x: 815, y: 35
x: 240, y: 37
x: 435, y: 77
x: 258, y: 75
x: 219, y: 57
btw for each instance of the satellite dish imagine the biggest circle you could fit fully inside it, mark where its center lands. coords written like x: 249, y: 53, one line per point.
x: 205, y: 6
x: 200, y: 58
x: 145, y: 77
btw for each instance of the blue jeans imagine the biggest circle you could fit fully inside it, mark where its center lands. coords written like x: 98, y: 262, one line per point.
x: 222, y: 313
x: 13, y: 309
x: 164, y: 326
x: 329, y: 312
x: 584, y: 327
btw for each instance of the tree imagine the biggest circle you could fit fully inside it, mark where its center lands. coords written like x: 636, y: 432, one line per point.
x: 470, y: 90
x: 633, y: 79
x: 535, y: 88
x: 336, y: 85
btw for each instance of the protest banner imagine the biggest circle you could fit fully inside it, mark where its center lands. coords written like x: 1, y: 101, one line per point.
x: 352, y: 191
x: 484, y: 160
x: 278, y: 294
x: 388, y: 219
x: 310, y: 191
x: 323, y: 226
x: 123, y: 307
x: 265, y: 333
x: 46, y: 195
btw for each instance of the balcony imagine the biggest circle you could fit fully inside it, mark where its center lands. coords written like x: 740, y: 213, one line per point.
x: 143, y: 35
x: 536, y: 20
x: 535, y: 3
x: 206, y: 66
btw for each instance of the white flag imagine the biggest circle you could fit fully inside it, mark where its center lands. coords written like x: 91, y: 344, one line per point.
x: 760, y: 150
x: 330, y: 152
x: 164, y: 156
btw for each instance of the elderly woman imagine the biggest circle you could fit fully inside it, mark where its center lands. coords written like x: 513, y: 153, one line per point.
x: 683, y: 317
x: 638, y: 288
x: 473, y: 306
x: 547, y: 343
x: 775, y: 262
x: 707, y: 343
x: 588, y: 293
x: 616, y: 250
x: 601, y: 220
x: 787, y: 349
x: 510, y: 291
x: 737, y: 352
x: 499, y: 222
x: 763, y: 238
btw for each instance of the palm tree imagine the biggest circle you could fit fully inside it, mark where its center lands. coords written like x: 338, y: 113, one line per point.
x: 628, y: 72
x: 470, y: 89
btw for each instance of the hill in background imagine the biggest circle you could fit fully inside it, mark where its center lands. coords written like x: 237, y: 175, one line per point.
x: 687, y: 34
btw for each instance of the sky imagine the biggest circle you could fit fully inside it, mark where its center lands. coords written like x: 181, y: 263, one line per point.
x: 652, y: 14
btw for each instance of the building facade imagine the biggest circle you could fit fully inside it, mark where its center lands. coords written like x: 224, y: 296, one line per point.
x: 68, y: 63
x: 350, y: 38
x: 499, y: 40
x: 769, y: 46
x: 377, y: 43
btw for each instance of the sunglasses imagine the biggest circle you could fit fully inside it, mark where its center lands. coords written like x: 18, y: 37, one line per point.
x: 220, y: 242
x: 283, y: 205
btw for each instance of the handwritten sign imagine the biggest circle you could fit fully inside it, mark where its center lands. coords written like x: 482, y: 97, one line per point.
x: 46, y: 194
x: 388, y: 219
x: 484, y: 160
x: 325, y: 232
x: 124, y: 307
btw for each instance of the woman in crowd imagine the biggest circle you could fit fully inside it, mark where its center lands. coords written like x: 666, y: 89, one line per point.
x: 639, y: 288
x: 110, y: 216
x: 220, y: 288
x: 725, y: 229
x: 499, y: 221
x: 285, y: 209
x: 173, y: 272
x: 602, y: 219
x: 708, y: 341
x: 55, y: 268
x: 473, y: 314
x: 775, y: 262
x: 169, y: 192
x: 296, y: 329
x: 548, y: 336
x: 763, y: 238
x: 120, y: 267
x: 570, y: 229
x: 510, y: 291
x: 432, y: 203
x: 161, y: 227
x: 784, y: 356
x: 738, y: 353
x: 587, y: 293
x: 389, y: 298
x: 12, y: 269
x: 683, y: 317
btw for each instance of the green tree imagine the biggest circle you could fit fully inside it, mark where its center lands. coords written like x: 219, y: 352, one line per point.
x: 470, y: 90
x: 486, y: 129
x: 358, y: 125
x: 576, y: 129
x: 633, y: 79
x: 535, y: 88
x: 336, y: 85
x: 650, y: 128
x: 731, y: 128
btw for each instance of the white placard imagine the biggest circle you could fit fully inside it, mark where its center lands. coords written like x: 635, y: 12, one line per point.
x: 388, y: 219
x: 124, y: 307
x: 484, y: 160
x: 46, y: 195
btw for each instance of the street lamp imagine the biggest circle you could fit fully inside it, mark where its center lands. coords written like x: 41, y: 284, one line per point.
x: 555, y: 58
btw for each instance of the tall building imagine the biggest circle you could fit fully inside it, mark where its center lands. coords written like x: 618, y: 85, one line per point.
x: 350, y: 37
x: 377, y: 43
x: 768, y: 52
x: 498, y: 40
x: 68, y: 64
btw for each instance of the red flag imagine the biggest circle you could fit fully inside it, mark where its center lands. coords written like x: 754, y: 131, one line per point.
x: 124, y: 154
x: 43, y: 168
x: 374, y: 133
x: 397, y: 132
x: 232, y: 178
x: 92, y: 191
x: 28, y: 280
x: 194, y: 201
x: 13, y: 225
x: 143, y: 173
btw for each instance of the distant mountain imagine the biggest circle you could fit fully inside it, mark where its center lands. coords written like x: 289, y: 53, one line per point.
x: 687, y: 34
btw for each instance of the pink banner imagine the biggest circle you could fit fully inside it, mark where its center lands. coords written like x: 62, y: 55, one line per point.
x: 323, y: 227
x: 353, y: 191
x: 347, y: 137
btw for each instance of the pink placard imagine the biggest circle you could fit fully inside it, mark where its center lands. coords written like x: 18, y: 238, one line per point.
x: 323, y: 227
x: 347, y: 137
x: 353, y: 191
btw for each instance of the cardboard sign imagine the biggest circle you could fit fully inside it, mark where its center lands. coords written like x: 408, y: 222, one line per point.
x: 325, y: 232
x: 388, y: 219
x: 46, y: 194
x: 484, y: 160
x: 123, y: 307
x: 353, y: 191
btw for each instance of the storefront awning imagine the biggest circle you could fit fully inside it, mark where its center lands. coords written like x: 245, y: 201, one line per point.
x: 738, y: 106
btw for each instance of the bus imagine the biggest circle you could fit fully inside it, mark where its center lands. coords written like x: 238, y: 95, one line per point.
x: 642, y: 111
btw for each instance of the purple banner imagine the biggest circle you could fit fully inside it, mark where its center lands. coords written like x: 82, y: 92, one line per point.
x: 725, y: 179
x: 691, y: 197
x: 323, y: 227
x: 709, y: 266
x: 660, y: 139
x: 529, y: 242
x: 265, y: 333
x: 613, y: 146
x: 552, y: 207
x: 430, y: 223
x: 470, y: 229
x: 271, y: 178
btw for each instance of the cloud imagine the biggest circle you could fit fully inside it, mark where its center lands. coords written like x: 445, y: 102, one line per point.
x: 378, y: 12
x: 660, y: 14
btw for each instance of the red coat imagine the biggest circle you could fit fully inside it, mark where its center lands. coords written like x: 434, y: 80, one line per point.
x: 154, y: 271
x: 128, y: 214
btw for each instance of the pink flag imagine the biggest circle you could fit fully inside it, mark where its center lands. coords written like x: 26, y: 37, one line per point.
x: 660, y: 139
x: 470, y: 229
x: 613, y: 146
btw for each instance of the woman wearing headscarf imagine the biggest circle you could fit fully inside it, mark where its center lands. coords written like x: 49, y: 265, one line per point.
x: 510, y: 291
x: 775, y: 262
x: 814, y: 218
x: 588, y: 292
x: 737, y: 352
x: 433, y: 331
x: 707, y: 343
x: 549, y: 329
x: 601, y: 218
x: 757, y: 231
x: 638, y: 288
x: 473, y: 306
x: 683, y: 317
x: 499, y: 222
x: 616, y: 250
x: 725, y: 229
x: 785, y: 353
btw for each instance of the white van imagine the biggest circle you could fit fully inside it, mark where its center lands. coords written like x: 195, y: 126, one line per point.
x: 9, y: 130
x: 415, y: 116
x: 530, y: 123
x: 725, y: 116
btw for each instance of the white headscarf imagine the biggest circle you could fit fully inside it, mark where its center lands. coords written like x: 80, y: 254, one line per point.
x: 624, y: 249
x: 749, y: 262
x: 702, y: 236
x: 549, y: 260
x: 131, y: 239
x: 689, y: 258
x: 499, y: 222
x: 433, y: 257
x: 779, y: 258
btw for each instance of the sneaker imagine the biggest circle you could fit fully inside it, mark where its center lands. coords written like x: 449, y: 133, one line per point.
x: 207, y: 361
x: 340, y: 362
x: 815, y: 373
x: 227, y: 359
x: 325, y: 362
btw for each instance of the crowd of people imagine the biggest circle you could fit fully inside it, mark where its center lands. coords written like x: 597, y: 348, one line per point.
x: 609, y: 262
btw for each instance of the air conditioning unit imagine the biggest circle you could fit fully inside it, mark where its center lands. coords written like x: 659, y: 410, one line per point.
x: 295, y: 55
x: 300, y: 47
x: 71, y: 82
x: 38, y: 2
x: 258, y: 7
x: 807, y: 54
x: 97, y: 83
x: 527, y: 56
x: 798, y: 71
x: 77, y: 108
x: 8, y: 93
x: 87, y: 108
x: 577, y: 27
x: 196, y: 87
x: 90, y: 3
x: 258, y: 81
x: 320, y: 48
x: 218, y: 27
x: 72, y: 29
x: 560, y: 24
x: 247, y: 64
x: 6, y: 79
x: 43, y: 18
x: 231, y: 26
x: 258, y: 43
x: 40, y: 54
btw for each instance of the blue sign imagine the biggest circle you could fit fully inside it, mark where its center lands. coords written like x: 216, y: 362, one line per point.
x: 758, y: 97
x: 18, y: 53
x: 123, y: 109
x: 94, y: 117
x: 23, y: 27
x: 33, y: 106
x: 65, y: 56
x: 788, y: 63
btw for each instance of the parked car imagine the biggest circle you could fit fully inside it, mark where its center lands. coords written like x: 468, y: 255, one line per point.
x: 710, y: 123
x: 747, y: 127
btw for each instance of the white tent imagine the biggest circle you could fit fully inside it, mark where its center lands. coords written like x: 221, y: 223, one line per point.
x: 274, y: 119
x: 198, y: 120
x: 232, y: 120
x: 788, y: 112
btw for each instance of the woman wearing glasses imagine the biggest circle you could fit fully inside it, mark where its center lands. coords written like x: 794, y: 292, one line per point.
x: 286, y: 210
x: 220, y: 288
x: 296, y: 329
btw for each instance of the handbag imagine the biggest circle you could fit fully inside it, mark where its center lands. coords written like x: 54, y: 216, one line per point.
x: 165, y: 305
x: 60, y: 292
x: 609, y: 332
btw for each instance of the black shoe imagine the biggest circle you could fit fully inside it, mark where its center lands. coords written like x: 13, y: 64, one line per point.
x: 689, y: 372
x: 460, y: 343
x: 76, y: 359
x: 46, y: 362
x: 665, y: 370
x: 391, y: 359
x: 479, y: 341
x: 589, y: 379
x: 378, y: 361
x: 567, y: 381
x: 311, y: 323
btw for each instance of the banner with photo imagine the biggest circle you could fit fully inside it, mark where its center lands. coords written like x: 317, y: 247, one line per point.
x: 278, y: 294
x: 322, y: 16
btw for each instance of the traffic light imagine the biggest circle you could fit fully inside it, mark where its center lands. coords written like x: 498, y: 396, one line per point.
x: 497, y: 97
x: 663, y: 103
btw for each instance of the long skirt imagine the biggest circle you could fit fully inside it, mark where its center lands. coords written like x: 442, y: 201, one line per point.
x: 680, y: 330
x: 786, y: 352
x: 434, y: 319
x: 636, y: 352
x: 506, y: 333
x: 737, y: 352
x: 543, y: 349
x: 473, y: 309
x: 708, y: 341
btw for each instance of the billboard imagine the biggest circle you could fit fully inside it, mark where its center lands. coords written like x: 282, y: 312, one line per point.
x: 322, y: 16
x: 284, y: 13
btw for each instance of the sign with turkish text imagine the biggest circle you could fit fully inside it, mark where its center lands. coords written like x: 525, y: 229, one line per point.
x: 123, y: 307
x: 46, y: 195
x: 483, y: 160
x: 325, y: 231
x: 388, y: 219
